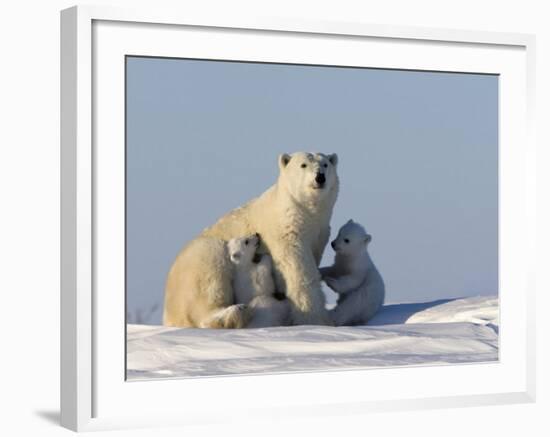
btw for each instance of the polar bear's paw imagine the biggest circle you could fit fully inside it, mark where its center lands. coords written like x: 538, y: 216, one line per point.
x: 320, y: 317
x: 233, y: 317
x: 333, y: 284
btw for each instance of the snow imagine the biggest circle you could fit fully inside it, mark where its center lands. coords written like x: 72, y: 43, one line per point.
x: 440, y: 332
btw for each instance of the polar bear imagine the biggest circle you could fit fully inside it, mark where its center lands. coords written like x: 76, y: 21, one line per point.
x: 354, y: 277
x: 292, y: 217
x: 253, y: 284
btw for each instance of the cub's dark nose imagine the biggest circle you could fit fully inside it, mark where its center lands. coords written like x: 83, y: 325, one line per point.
x: 320, y: 178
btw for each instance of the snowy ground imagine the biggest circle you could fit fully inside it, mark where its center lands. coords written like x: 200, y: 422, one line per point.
x: 441, y: 332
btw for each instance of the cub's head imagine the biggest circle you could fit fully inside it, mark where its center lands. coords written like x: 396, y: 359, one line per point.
x: 309, y: 176
x: 242, y: 250
x: 352, y: 239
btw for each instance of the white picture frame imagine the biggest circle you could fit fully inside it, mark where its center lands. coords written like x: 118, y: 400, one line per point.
x: 94, y: 394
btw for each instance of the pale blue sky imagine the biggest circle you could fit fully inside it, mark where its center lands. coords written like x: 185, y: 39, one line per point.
x: 418, y: 164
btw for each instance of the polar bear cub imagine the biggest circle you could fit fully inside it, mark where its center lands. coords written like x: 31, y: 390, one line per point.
x: 253, y: 284
x: 354, y: 277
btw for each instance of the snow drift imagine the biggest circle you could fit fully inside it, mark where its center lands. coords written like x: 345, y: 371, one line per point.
x: 441, y: 332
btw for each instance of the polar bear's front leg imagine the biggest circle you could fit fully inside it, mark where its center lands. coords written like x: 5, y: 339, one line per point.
x: 321, y: 243
x: 343, y: 284
x: 297, y: 274
x: 326, y: 271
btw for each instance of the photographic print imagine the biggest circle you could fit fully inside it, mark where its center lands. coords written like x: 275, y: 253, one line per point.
x: 289, y: 217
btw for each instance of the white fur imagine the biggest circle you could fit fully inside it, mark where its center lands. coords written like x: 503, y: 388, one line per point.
x: 293, y: 219
x: 253, y: 284
x: 354, y: 277
x: 249, y: 278
x: 267, y: 311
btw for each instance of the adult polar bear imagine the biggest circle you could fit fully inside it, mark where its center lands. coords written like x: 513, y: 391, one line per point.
x: 292, y: 217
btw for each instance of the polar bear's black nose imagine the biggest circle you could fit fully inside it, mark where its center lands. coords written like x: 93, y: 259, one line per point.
x: 333, y: 245
x: 320, y: 178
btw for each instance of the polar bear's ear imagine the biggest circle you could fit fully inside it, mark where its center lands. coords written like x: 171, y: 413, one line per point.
x: 284, y: 159
x: 350, y: 221
x: 333, y: 159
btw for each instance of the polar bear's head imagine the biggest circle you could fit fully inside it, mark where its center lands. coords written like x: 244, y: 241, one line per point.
x: 242, y: 250
x: 309, y: 176
x: 352, y: 239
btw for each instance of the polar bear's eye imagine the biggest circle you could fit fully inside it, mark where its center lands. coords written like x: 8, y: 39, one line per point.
x: 246, y: 242
x: 303, y: 165
x: 346, y: 240
x: 325, y: 165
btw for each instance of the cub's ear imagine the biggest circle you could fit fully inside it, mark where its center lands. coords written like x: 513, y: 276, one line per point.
x: 368, y: 238
x: 284, y: 159
x: 350, y: 221
x: 333, y: 159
